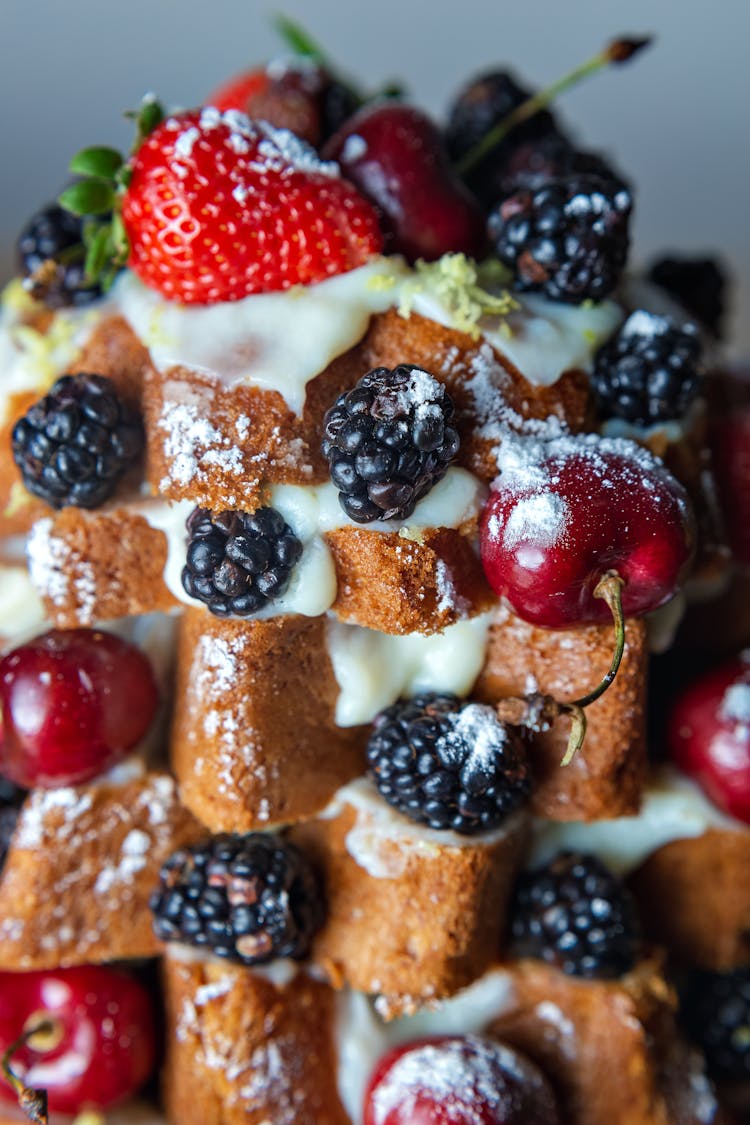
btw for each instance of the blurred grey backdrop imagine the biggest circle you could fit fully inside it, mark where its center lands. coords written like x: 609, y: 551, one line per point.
x: 676, y: 120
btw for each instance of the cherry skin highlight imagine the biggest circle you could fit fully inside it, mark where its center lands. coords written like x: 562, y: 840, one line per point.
x: 709, y: 736
x: 73, y: 702
x: 547, y: 541
x: 102, y: 1047
x: 395, y: 155
x: 457, y: 1081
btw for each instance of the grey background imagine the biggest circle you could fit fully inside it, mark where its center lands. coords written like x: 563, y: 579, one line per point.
x: 677, y: 119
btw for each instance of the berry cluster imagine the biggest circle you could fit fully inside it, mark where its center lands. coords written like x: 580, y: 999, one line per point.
x: 575, y: 914
x: 238, y: 562
x: 715, y: 1009
x: 388, y: 441
x: 248, y: 898
x: 74, y: 445
x: 448, y: 764
x: 52, y: 257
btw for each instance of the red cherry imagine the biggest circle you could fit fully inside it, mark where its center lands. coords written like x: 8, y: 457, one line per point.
x: 457, y: 1081
x: 709, y: 735
x: 555, y: 526
x: 395, y: 155
x: 102, y: 1045
x: 73, y: 703
x: 730, y: 447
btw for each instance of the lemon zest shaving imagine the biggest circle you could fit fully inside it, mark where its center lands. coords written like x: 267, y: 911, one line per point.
x: 18, y: 498
x: 456, y: 281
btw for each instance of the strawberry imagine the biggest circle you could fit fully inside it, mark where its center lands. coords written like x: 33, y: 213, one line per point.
x: 218, y: 207
x: 730, y: 447
x: 286, y: 95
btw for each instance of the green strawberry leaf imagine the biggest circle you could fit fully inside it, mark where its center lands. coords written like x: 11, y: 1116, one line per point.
x: 295, y: 37
x: 89, y: 197
x: 99, y: 162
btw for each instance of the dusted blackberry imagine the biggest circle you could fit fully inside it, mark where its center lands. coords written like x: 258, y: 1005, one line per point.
x: 715, y: 1009
x: 238, y: 562
x: 73, y: 445
x: 388, y: 441
x: 448, y: 764
x: 575, y: 914
x: 11, y: 799
x: 698, y: 284
x: 56, y: 235
x: 567, y: 239
x: 649, y: 372
x: 247, y: 898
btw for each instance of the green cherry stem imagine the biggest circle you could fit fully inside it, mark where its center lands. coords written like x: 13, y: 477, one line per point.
x: 618, y: 51
x: 32, y: 1102
x: 537, y: 712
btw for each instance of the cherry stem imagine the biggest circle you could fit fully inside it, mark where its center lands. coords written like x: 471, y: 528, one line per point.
x: 609, y: 589
x: 32, y: 1102
x: 618, y: 51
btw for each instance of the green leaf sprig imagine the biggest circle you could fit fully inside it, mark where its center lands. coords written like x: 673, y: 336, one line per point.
x: 97, y: 197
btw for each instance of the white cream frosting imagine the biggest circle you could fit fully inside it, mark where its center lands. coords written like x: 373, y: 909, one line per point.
x: 374, y: 669
x: 673, y: 808
x: 362, y: 1038
x: 21, y: 609
x: 311, y: 511
x: 276, y: 341
x: 382, y: 839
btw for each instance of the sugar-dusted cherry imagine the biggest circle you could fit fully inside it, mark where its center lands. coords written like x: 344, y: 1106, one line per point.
x: 709, y: 735
x: 460, y: 1080
x: 96, y: 1043
x: 396, y: 157
x: 555, y: 526
x: 73, y: 702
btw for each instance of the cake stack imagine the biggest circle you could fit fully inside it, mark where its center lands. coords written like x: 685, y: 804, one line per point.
x: 342, y: 517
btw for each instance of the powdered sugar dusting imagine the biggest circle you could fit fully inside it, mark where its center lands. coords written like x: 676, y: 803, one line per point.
x: 735, y: 706
x: 194, y: 447
x: 475, y: 726
x: 543, y: 518
x: 459, y: 1075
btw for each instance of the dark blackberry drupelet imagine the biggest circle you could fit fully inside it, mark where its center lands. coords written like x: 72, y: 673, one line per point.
x: 388, y: 441
x: 74, y: 445
x: 56, y: 235
x: 246, y: 898
x: 448, y: 764
x: 649, y: 372
x: 715, y: 1011
x: 567, y: 239
x: 698, y: 284
x: 238, y: 562
x: 574, y: 913
x: 551, y: 157
x: 11, y: 799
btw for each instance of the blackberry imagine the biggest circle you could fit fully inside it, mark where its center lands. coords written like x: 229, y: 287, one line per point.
x: 715, y: 1011
x: 11, y: 799
x: 448, y: 764
x: 56, y: 235
x: 698, y: 284
x: 481, y: 105
x: 649, y: 372
x: 567, y: 239
x: 574, y: 913
x: 73, y: 445
x: 238, y: 562
x: 246, y: 898
x: 388, y: 441
x: 551, y: 157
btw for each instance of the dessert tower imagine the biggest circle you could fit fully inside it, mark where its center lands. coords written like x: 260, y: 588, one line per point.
x: 354, y: 495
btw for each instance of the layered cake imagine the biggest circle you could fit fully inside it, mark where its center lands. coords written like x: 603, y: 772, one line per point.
x: 375, y: 729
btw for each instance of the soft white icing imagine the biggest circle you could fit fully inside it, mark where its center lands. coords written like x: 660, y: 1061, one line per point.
x: 276, y: 341
x: 362, y: 1037
x: 673, y: 808
x: 382, y: 839
x: 541, y: 338
x: 373, y: 669
x: 310, y: 511
x: 21, y: 609
x: 30, y: 361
